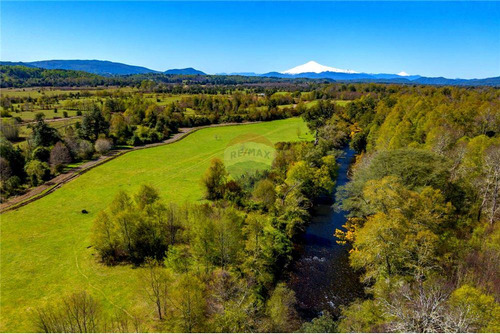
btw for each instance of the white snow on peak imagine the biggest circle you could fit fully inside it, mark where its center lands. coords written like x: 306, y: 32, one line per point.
x: 313, y: 66
x: 403, y: 74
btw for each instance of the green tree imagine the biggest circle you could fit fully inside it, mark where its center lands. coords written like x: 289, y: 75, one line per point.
x: 93, y: 124
x: 317, y: 115
x: 402, y: 237
x: 188, y: 304
x: 42, y: 133
x: 214, y: 180
x: 37, y: 171
x: 322, y: 324
x: 280, y: 308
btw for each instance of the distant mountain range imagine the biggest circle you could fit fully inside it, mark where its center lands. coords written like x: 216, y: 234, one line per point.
x: 100, y: 67
x: 309, y: 70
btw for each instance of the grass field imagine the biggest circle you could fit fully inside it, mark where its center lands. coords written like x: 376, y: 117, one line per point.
x: 45, y: 245
x: 36, y: 92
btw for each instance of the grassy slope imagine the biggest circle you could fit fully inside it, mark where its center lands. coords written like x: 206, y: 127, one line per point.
x: 43, y: 246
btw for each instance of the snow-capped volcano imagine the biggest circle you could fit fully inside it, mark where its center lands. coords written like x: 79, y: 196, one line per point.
x: 314, y: 67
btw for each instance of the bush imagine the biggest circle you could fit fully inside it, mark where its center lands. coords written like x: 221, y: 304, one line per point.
x: 65, y: 114
x: 85, y: 150
x: 78, y: 113
x: 102, y: 146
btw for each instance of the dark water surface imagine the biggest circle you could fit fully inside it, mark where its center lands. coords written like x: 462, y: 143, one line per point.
x: 321, y: 276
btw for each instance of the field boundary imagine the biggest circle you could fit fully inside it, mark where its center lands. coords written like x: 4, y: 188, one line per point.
x: 58, y: 181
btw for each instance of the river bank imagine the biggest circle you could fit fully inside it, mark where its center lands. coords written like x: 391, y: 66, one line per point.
x: 321, y: 276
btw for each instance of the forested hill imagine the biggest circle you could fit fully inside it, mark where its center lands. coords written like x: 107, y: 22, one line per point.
x: 101, y: 67
x: 23, y: 75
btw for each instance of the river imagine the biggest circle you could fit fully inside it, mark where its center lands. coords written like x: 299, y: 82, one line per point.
x: 321, y: 276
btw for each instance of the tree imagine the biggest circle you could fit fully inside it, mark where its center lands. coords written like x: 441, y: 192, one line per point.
x: 43, y: 134
x: 59, y: 155
x: 228, y: 237
x: 136, y: 230
x: 157, y: 286
x: 490, y: 183
x: 264, y: 193
x: 414, y: 169
x: 317, y: 115
x: 146, y: 195
x: 119, y: 128
x: 361, y: 317
x: 471, y: 310
x: 321, y: 324
x: 37, y: 172
x: 76, y: 313
x: 214, y: 180
x: 93, y: 124
x: 280, y: 308
x: 14, y: 157
x: 188, y: 304
x: 402, y: 237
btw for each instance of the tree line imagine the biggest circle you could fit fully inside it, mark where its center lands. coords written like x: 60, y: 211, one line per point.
x: 424, y: 217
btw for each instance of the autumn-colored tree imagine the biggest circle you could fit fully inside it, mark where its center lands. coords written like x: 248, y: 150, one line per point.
x: 59, y: 156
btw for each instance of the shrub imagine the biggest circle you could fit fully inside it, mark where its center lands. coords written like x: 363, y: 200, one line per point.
x: 78, y: 113
x: 102, y: 145
x: 65, y: 114
x: 85, y: 150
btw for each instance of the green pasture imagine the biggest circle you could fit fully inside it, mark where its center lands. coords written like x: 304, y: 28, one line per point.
x: 45, y: 246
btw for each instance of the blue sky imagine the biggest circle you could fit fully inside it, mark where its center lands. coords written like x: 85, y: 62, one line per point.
x: 451, y: 39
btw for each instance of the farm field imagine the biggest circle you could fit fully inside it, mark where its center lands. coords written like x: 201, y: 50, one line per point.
x: 45, y: 246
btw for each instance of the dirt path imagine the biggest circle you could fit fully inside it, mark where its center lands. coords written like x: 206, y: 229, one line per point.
x: 52, y: 120
x: 52, y: 185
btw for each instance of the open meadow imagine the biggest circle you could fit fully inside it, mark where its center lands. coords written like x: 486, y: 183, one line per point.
x: 45, y: 246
